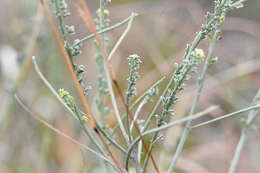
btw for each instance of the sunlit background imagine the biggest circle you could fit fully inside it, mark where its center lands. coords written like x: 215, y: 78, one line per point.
x: 159, y: 35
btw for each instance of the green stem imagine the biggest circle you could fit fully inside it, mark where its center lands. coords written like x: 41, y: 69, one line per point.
x: 171, y: 124
x: 122, y: 36
x: 110, y: 139
x: 64, y: 36
x: 226, y: 116
x: 176, y: 86
x: 247, y: 126
x: 188, y: 118
x: 195, y: 101
x: 127, y: 100
x: 61, y: 133
x: 103, y: 31
x: 252, y: 115
x: 114, y: 104
x: 239, y: 148
x: 50, y: 87
x: 74, y: 114
x: 60, y: 21
x: 156, y: 107
x: 195, y: 43
x: 101, y: 63
x: 101, y: 19
x: 89, y: 134
x: 146, y: 160
x: 137, y: 112
x: 132, y: 106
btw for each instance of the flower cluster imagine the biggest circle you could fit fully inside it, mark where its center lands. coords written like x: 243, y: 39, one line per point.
x: 61, y: 8
x: 181, y: 74
x: 217, y: 17
x: 68, y: 30
x: 152, y: 92
x: 134, y: 62
x: 106, y: 21
x: 67, y: 98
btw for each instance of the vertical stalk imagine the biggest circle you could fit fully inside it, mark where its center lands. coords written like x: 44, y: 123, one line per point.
x: 196, y: 99
x: 247, y: 126
x: 101, y: 22
x: 108, y: 77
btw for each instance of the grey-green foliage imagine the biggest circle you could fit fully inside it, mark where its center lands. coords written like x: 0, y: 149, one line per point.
x: 67, y: 30
x: 181, y: 74
x: 102, y: 85
x: 152, y: 92
x: 101, y: 22
x: 193, y: 57
x: 148, y: 98
x: 134, y: 62
x: 213, y: 23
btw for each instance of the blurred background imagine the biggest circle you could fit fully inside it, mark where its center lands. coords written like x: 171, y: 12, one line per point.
x: 159, y: 35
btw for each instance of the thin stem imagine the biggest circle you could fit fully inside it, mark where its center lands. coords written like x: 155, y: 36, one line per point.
x: 226, y: 116
x: 146, y: 92
x: 62, y: 29
x: 101, y: 19
x: 89, y: 134
x: 195, y: 43
x: 156, y: 107
x: 61, y: 133
x: 182, y: 120
x: 100, y: 68
x: 171, y: 124
x: 111, y: 140
x: 137, y: 112
x: 188, y: 118
x: 49, y: 86
x: 110, y: 56
x: 114, y: 104
x: 146, y: 160
x: 60, y: 21
x: 103, y: 31
x: 139, y: 152
x: 74, y: 114
x: 133, y: 15
x: 174, y: 92
x: 86, y: 17
x: 79, y: 89
x: 195, y: 101
x: 240, y: 145
x: 131, y: 107
x: 247, y: 126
